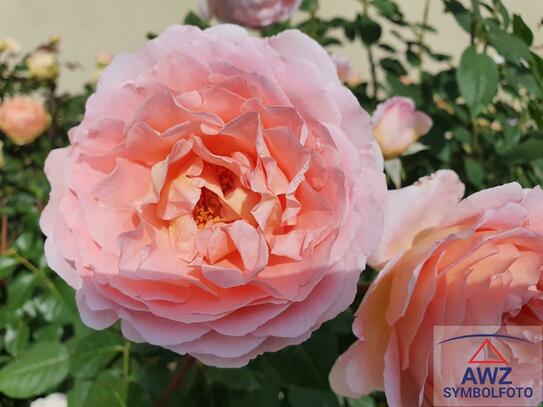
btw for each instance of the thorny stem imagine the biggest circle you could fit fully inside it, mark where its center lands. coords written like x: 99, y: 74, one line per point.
x: 177, y: 381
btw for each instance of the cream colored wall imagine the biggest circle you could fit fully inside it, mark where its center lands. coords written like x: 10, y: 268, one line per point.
x: 87, y: 28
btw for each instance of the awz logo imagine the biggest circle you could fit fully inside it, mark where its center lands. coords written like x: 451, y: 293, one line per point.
x: 486, y: 377
x: 497, y: 375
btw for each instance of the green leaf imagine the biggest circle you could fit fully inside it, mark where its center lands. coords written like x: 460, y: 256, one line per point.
x: 509, y: 46
x: 306, y: 365
x: 196, y: 20
x: 474, y: 172
x: 52, y: 308
x: 93, y: 352
x: 310, y: 6
x: 20, y: 290
x: 393, y: 66
x: 365, y: 401
x: 7, y: 265
x: 412, y: 57
x: 460, y: 13
x: 240, y: 379
x: 16, y: 338
x: 368, y: 30
x: 48, y: 333
x: 477, y: 78
x: 531, y: 149
x: 138, y: 396
x: 500, y: 8
x: 390, y: 10
x: 79, y: 393
x: 41, y: 368
x: 521, y: 30
x: 302, y: 397
x: 24, y: 243
x: 263, y: 397
x: 108, y: 390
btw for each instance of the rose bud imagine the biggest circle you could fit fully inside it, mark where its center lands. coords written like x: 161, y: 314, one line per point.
x: 397, y: 125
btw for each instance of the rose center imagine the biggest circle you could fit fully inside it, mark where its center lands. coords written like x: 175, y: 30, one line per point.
x: 208, y: 208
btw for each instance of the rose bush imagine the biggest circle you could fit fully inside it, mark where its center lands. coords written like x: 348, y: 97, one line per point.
x: 220, y: 196
x: 444, y: 261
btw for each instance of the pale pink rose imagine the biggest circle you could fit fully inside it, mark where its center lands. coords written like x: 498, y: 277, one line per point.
x: 397, y: 125
x: 220, y: 196
x: 345, y: 69
x: 445, y: 261
x: 23, y: 119
x: 249, y: 13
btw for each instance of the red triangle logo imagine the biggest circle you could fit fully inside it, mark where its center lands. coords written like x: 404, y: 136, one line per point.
x: 487, y: 353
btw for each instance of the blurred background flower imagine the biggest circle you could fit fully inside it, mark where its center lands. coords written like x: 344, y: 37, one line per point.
x: 9, y: 45
x: 43, y: 65
x: 23, y: 119
x: 249, y: 13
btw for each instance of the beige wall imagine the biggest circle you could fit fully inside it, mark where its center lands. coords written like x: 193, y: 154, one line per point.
x: 89, y: 27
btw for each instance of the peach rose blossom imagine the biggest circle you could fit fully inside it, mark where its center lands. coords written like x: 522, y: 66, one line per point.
x: 445, y: 261
x: 220, y: 196
x: 397, y: 125
x: 249, y: 13
x: 23, y: 119
x: 346, y: 71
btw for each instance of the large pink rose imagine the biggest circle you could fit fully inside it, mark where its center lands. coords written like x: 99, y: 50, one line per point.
x: 220, y: 196
x: 23, y: 119
x: 444, y: 262
x: 397, y: 125
x: 249, y: 13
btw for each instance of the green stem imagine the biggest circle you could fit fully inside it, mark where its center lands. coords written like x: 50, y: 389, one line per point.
x: 475, y: 136
x: 126, y: 362
x: 371, y: 59
x: 38, y: 272
x: 474, y: 14
x: 422, y: 33
x: 373, y: 73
